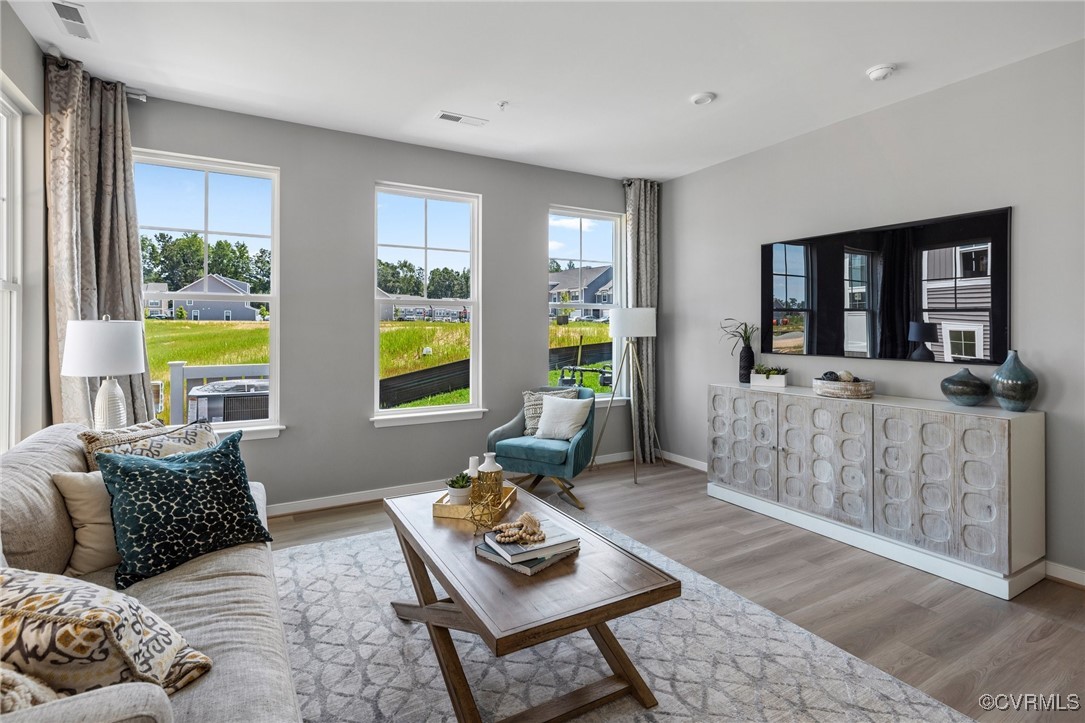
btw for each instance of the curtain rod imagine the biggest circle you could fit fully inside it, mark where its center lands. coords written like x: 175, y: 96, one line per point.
x: 133, y: 93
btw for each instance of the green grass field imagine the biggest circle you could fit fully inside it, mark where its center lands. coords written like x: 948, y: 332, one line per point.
x: 401, y: 346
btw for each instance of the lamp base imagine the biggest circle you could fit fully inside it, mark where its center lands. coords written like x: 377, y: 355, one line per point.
x: 922, y: 353
x: 109, y: 411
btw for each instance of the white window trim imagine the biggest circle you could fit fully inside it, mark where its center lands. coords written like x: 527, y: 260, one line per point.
x: 948, y: 326
x: 262, y: 428
x: 452, y: 412
x: 617, y: 293
x: 11, y: 281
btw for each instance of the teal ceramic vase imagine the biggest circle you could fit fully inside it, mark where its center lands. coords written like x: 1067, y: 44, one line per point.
x: 1014, y: 385
x: 965, y: 389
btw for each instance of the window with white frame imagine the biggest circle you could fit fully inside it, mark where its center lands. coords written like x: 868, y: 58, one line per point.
x: 427, y: 296
x: 584, y: 286
x: 10, y: 279
x: 209, y: 239
x: 962, y: 342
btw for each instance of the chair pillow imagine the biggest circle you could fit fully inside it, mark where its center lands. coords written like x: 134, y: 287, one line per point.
x: 148, y: 439
x: 533, y: 402
x: 88, y: 505
x: 76, y: 636
x: 169, y: 511
x: 563, y: 418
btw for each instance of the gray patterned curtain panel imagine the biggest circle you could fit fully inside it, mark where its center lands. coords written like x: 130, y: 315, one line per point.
x: 642, y: 227
x: 93, y: 237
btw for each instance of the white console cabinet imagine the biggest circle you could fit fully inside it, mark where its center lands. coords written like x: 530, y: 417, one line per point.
x: 955, y: 491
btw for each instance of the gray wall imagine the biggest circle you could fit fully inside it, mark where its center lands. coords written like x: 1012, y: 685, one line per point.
x: 24, y: 81
x: 1011, y: 137
x: 327, y: 253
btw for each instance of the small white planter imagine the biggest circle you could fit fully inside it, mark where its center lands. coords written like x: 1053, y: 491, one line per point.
x: 763, y: 380
x: 459, y: 496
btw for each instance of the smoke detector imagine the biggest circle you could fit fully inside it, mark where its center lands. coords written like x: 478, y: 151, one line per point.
x: 702, y: 98
x: 880, y: 72
x: 72, y: 19
x: 466, y: 120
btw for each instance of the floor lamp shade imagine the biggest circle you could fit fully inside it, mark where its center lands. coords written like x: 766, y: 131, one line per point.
x: 104, y: 349
x: 632, y: 323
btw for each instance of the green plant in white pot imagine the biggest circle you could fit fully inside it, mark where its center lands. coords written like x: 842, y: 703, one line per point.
x: 459, y: 489
x: 766, y: 376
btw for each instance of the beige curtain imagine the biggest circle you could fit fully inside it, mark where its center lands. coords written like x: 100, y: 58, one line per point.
x: 642, y: 229
x: 93, y: 237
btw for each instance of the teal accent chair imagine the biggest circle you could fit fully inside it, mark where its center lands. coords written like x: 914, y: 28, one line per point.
x: 556, y: 459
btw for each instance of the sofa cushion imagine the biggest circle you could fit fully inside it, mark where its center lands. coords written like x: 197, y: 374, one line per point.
x: 88, y: 504
x: 76, y: 636
x: 533, y: 406
x: 548, y: 451
x: 168, y: 511
x: 149, y: 439
x: 34, y: 521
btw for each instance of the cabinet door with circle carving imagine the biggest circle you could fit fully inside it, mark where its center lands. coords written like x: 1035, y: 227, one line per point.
x: 825, y: 458
x: 914, y: 485
x: 982, y: 495
x: 742, y: 441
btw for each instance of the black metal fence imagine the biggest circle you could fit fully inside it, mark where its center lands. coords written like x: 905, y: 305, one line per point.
x: 411, y: 387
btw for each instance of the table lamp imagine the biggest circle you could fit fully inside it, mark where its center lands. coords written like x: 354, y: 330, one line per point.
x: 922, y: 332
x: 630, y: 324
x: 104, y: 349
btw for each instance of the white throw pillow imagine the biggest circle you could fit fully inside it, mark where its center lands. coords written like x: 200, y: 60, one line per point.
x: 562, y: 418
x: 88, y: 503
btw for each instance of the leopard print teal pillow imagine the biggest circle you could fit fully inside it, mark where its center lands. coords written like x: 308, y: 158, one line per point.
x: 169, y: 511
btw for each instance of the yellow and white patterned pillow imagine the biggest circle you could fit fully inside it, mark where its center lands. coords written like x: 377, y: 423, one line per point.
x: 76, y: 636
x: 148, y: 439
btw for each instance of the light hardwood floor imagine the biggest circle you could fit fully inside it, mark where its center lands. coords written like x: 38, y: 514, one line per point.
x: 950, y: 641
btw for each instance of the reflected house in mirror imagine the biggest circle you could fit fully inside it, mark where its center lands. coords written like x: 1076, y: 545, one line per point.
x: 874, y: 293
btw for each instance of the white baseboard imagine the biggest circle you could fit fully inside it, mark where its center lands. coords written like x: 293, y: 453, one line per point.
x: 351, y: 498
x: 1065, y: 573
x: 686, y: 461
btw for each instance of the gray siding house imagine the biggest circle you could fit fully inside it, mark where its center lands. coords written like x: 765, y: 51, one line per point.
x: 155, y: 306
x: 206, y: 310
x: 956, y: 288
x: 587, y: 285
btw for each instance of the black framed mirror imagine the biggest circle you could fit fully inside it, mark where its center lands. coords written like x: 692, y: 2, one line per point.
x: 931, y: 290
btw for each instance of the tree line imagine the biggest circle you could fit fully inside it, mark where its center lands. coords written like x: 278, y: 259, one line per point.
x: 403, y: 277
x: 178, y: 262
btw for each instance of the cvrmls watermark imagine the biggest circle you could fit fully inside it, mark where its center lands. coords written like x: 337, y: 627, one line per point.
x: 1019, y: 702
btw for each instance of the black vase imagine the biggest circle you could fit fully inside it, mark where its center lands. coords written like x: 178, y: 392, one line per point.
x: 745, y: 363
x: 964, y: 389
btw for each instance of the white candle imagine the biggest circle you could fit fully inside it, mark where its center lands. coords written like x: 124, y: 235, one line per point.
x: 472, y: 467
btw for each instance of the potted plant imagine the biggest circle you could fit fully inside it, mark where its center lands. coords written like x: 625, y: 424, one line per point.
x: 741, y: 331
x: 766, y: 376
x: 459, y: 489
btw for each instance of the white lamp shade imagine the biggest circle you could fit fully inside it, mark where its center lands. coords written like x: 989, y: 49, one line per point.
x: 631, y: 323
x: 103, y: 349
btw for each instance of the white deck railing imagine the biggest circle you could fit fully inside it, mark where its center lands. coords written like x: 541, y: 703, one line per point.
x: 182, y: 377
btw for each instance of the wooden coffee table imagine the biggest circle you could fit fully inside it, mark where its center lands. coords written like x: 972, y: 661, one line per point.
x: 510, y: 611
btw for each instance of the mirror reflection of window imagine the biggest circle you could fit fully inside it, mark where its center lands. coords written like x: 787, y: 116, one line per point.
x: 790, y: 309
x: 858, y: 319
x: 956, y: 295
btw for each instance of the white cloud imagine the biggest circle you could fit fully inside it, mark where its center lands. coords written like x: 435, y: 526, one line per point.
x: 556, y: 246
x: 571, y: 223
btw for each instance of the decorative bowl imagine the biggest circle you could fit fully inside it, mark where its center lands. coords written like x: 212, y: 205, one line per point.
x: 844, y: 390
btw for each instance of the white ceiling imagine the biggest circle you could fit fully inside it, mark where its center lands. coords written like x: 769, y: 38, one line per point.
x: 601, y: 88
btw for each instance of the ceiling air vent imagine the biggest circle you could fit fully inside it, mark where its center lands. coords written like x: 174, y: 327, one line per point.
x: 461, y: 118
x: 72, y: 18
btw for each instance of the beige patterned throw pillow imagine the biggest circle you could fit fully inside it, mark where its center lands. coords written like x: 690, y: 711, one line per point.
x: 533, y: 407
x: 148, y: 441
x: 88, y: 504
x: 76, y: 636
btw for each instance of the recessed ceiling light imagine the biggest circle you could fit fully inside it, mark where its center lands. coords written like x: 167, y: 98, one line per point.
x: 880, y: 72
x: 702, y: 98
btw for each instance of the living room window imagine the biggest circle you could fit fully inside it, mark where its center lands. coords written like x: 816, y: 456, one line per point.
x: 584, y: 284
x: 209, y: 240
x: 10, y: 267
x: 426, y: 304
x: 790, y: 308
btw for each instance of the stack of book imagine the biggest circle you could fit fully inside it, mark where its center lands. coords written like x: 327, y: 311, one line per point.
x: 530, y: 559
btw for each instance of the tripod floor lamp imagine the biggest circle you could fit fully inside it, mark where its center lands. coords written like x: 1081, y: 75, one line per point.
x: 629, y: 325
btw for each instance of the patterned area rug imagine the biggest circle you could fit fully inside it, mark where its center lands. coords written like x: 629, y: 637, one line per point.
x: 710, y: 655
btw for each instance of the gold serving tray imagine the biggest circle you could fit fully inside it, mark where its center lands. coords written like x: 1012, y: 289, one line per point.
x: 441, y: 508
